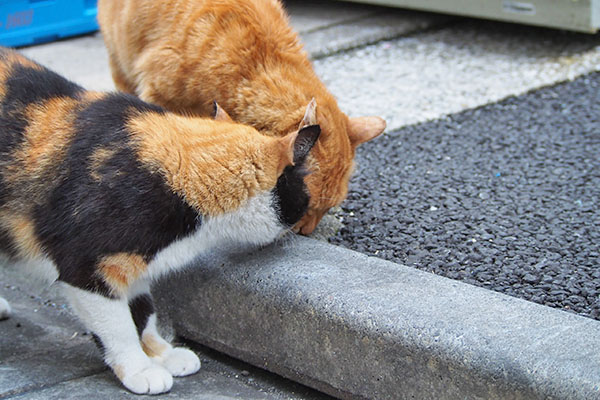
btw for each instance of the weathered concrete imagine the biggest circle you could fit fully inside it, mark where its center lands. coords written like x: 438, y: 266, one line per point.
x: 326, y: 27
x: 209, y: 386
x: 355, y: 326
x: 45, y: 353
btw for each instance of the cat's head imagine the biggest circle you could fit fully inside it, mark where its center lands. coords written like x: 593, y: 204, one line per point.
x: 288, y: 200
x: 247, y: 187
x: 332, y: 159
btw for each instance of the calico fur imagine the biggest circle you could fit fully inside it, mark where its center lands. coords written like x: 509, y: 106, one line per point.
x: 183, y: 54
x: 106, y: 193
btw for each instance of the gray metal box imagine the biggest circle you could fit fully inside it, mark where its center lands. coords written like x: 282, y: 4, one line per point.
x: 576, y: 15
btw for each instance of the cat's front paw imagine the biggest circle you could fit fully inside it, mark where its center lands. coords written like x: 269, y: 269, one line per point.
x: 151, y: 380
x: 180, y: 362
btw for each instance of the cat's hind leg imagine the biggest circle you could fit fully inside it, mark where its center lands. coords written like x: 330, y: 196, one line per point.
x: 4, y: 309
x: 112, y: 324
x: 179, y: 361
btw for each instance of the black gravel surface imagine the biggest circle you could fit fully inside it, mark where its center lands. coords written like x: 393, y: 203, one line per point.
x: 505, y: 196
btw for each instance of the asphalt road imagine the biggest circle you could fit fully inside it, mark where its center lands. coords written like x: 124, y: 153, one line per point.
x: 505, y: 196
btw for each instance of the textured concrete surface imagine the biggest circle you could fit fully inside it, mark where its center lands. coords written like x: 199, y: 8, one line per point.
x: 355, y: 326
x: 327, y: 27
x: 45, y: 353
x: 505, y: 197
x: 464, y: 65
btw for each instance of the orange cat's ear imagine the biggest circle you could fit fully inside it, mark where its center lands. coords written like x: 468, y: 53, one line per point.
x: 306, y: 139
x: 363, y: 129
x: 219, y: 114
x: 310, y: 116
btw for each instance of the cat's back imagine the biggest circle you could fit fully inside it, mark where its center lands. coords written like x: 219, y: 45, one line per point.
x: 141, y: 23
x: 23, y: 82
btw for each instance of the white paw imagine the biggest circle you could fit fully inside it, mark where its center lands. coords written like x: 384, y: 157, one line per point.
x: 180, y: 362
x: 4, y: 309
x: 152, y: 380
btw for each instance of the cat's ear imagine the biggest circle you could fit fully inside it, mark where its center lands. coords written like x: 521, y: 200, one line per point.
x: 310, y: 116
x: 306, y: 139
x: 219, y: 114
x: 363, y: 129
x: 286, y: 151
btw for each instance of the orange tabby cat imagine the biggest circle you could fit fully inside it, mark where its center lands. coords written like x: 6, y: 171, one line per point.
x: 184, y: 54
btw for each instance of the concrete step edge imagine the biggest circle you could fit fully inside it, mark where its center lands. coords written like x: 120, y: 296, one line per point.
x: 359, y: 327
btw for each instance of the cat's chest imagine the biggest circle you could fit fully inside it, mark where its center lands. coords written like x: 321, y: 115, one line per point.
x: 255, y: 223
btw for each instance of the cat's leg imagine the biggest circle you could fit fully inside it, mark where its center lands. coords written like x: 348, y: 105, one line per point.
x: 4, y: 309
x: 112, y: 324
x: 178, y: 361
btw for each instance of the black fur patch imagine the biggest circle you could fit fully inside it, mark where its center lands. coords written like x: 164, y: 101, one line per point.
x: 291, y: 195
x: 25, y: 85
x: 141, y: 307
x: 291, y: 192
x: 99, y: 343
x: 134, y: 211
x: 307, y: 137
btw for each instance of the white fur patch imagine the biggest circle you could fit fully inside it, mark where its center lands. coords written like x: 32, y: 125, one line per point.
x: 111, y: 321
x: 254, y: 223
x: 4, y: 309
x: 178, y: 361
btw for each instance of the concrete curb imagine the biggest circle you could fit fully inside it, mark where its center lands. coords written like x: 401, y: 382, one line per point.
x: 360, y: 327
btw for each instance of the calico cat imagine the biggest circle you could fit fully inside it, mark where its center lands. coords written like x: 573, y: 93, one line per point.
x: 105, y: 193
x: 183, y: 54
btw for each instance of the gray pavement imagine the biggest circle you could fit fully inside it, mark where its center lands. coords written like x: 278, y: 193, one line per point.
x: 46, y: 354
x: 406, y: 66
x: 505, y: 197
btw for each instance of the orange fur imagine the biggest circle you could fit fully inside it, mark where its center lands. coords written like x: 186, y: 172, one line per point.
x: 202, y: 160
x: 39, y: 157
x: 152, y: 346
x: 97, y: 160
x: 49, y: 131
x: 120, y: 270
x: 22, y: 231
x: 184, y: 54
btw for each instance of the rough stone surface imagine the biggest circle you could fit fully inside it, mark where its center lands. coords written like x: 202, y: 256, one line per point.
x: 506, y: 197
x: 210, y: 386
x: 339, y: 28
x: 355, y: 326
x: 464, y: 65
x: 46, y: 354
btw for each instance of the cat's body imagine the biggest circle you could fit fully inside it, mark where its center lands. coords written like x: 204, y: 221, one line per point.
x: 183, y: 54
x: 105, y: 193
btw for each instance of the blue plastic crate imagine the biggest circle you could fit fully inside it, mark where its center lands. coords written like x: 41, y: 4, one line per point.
x: 27, y: 22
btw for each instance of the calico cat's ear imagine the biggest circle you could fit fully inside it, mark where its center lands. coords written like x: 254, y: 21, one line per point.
x: 363, y: 129
x: 310, y: 116
x: 286, y: 151
x: 219, y: 114
x: 306, y: 139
